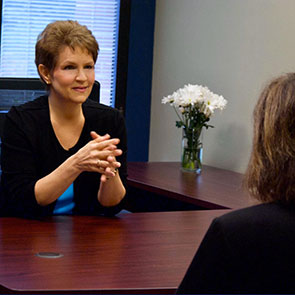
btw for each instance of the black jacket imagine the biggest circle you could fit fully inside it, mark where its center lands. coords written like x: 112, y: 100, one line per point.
x: 250, y: 251
x: 30, y: 151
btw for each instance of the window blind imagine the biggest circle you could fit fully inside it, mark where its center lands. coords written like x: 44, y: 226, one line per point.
x: 23, y: 20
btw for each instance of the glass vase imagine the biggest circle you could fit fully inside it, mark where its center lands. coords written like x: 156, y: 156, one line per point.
x: 192, y: 150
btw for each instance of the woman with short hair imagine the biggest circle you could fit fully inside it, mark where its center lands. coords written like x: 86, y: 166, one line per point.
x: 63, y: 153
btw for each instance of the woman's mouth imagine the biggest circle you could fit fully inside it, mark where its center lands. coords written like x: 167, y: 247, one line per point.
x: 80, y: 89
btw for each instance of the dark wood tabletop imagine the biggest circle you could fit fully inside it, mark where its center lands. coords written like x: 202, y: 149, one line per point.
x: 131, y: 253
x: 214, y: 188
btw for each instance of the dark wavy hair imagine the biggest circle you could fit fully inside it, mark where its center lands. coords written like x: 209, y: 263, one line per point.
x: 270, y: 175
x: 59, y: 34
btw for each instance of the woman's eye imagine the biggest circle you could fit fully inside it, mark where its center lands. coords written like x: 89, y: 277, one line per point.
x: 89, y: 67
x: 69, y: 67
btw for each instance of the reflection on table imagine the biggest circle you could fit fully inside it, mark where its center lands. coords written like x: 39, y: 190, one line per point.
x: 161, y: 186
x: 131, y: 253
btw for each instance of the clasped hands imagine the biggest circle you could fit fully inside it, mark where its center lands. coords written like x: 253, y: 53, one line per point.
x: 107, y: 165
x: 99, y: 155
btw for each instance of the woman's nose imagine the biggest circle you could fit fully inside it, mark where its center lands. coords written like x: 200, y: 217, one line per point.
x: 81, y: 75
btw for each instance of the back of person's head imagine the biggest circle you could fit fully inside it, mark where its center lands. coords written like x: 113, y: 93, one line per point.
x: 60, y: 34
x: 271, y: 171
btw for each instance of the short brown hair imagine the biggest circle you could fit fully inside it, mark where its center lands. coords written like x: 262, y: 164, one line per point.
x: 271, y: 170
x: 58, y: 34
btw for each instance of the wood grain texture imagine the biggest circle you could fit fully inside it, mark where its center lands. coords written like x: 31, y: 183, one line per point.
x: 214, y: 188
x: 132, y: 253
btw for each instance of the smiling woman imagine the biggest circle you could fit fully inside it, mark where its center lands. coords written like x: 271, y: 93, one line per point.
x: 72, y: 77
x: 22, y: 21
x: 64, y: 154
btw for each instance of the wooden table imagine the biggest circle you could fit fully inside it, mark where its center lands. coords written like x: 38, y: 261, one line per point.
x: 214, y: 188
x: 131, y: 253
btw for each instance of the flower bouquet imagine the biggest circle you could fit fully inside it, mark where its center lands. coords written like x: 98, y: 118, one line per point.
x: 194, y: 105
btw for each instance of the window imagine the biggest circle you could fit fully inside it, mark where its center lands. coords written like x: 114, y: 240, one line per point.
x: 23, y: 20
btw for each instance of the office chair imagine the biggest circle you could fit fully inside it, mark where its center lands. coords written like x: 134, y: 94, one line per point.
x: 94, y: 95
x: 37, y: 85
x: 95, y: 92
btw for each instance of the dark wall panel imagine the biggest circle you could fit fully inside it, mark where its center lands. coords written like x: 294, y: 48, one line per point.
x: 139, y: 81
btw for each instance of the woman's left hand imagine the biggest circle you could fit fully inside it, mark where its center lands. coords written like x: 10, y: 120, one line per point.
x: 110, y: 170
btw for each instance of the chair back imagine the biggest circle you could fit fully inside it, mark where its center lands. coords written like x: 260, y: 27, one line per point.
x: 95, y: 93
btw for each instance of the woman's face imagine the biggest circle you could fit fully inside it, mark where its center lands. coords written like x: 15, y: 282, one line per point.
x: 73, y: 76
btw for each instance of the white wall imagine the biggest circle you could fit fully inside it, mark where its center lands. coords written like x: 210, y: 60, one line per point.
x: 231, y: 46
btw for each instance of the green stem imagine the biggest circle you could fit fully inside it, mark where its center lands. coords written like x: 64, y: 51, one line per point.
x: 191, y: 158
x: 177, y: 114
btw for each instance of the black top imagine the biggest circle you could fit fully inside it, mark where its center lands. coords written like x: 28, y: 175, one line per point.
x: 250, y: 251
x: 30, y: 151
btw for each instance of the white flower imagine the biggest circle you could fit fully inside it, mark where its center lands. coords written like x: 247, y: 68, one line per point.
x: 167, y: 99
x: 195, y: 96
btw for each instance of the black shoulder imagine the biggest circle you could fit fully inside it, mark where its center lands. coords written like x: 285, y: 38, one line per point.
x: 36, y: 104
x: 94, y: 109
x: 258, y: 213
x: 90, y: 104
x: 259, y: 222
x: 27, y: 117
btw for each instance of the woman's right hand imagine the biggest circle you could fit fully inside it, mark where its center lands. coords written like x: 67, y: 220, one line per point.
x: 96, y: 154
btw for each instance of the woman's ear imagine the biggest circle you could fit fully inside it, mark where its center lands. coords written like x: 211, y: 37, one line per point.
x: 44, y: 73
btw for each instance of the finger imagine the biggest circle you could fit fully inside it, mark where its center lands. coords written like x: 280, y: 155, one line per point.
x: 107, y: 153
x: 94, y: 135
x: 117, y: 153
x: 110, y: 172
x: 116, y: 165
x: 98, y: 137
x: 107, y: 143
x: 103, y: 178
x: 111, y: 159
x: 113, y: 162
x: 101, y: 164
x: 103, y: 155
x: 100, y: 170
x: 110, y: 148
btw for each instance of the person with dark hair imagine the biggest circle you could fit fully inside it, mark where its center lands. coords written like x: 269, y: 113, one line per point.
x: 63, y: 153
x: 251, y: 250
